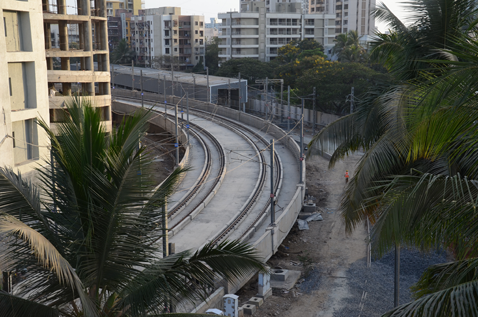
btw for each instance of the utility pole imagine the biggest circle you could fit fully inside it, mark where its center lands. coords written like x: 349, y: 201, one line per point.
x: 187, y: 114
x: 194, y: 87
x: 301, y: 142
x: 239, y: 106
x: 273, y: 212
x: 229, y: 101
x: 132, y: 75
x: 313, y: 113
x: 352, y: 100
x: 281, y: 105
x: 159, y: 80
x: 182, y: 105
x: 172, y: 83
x: 288, y: 104
x: 112, y: 80
x: 165, y: 229
x: 142, y: 97
x: 208, y: 98
x: 265, y: 90
x: 164, y: 92
x: 176, y: 145
x: 396, y: 295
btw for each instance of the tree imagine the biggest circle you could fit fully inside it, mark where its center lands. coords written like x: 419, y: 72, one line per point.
x: 212, y: 55
x: 291, y: 51
x: 348, y: 48
x: 165, y: 62
x: 417, y: 135
x: 88, y: 238
x: 122, y: 54
x: 250, y: 69
x: 333, y: 82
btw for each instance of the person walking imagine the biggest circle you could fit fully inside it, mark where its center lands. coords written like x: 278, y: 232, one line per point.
x: 346, y: 176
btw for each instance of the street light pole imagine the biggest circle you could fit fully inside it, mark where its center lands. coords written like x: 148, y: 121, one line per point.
x: 301, y: 143
x: 142, y: 98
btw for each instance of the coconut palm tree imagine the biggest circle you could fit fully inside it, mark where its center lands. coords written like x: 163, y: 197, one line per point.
x: 415, y: 127
x: 348, y: 48
x: 88, y: 236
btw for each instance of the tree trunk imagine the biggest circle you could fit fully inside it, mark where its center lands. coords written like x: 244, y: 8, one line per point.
x: 396, y: 296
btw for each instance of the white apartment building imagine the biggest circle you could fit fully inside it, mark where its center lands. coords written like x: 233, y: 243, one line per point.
x: 165, y: 32
x: 349, y: 15
x: 256, y: 33
x: 271, y: 5
x: 23, y: 89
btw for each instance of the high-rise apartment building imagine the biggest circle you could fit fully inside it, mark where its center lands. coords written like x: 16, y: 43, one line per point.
x: 271, y: 5
x: 256, y: 33
x: 77, y: 68
x: 23, y: 92
x: 349, y: 14
x: 131, y: 6
x: 164, y: 32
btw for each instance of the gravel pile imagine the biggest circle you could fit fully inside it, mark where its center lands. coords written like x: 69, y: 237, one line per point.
x: 378, y: 283
x: 311, y: 282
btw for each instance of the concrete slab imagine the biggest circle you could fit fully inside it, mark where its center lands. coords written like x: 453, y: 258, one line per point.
x: 288, y: 283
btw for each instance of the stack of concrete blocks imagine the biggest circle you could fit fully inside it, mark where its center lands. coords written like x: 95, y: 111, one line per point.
x: 265, y: 289
x: 231, y: 303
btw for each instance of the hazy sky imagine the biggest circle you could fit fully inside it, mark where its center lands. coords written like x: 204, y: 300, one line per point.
x: 210, y: 8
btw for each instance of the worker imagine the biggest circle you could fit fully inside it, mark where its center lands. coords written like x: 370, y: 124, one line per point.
x: 346, y: 176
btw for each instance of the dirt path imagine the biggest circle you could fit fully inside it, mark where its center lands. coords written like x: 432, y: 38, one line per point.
x: 325, y: 251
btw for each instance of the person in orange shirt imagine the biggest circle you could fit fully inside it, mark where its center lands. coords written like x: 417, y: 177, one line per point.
x: 346, y: 176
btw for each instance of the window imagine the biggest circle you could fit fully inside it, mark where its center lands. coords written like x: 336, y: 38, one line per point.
x: 166, y: 33
x: 175, y: 49
x: 201, y: 24
x: 5, y: 25
x: 196, y: 23
x: 345, y: 22
x: 10, y: 85
x: 346, y: 6
x: 196, y: 40
x: 196, y: 32
x: 26, y: 141
x: 197, y: 57
x: 312, y: 9
x: 167, y: 50
x: 175, y: 32
x: 175, y: 41
x: 166, y: 42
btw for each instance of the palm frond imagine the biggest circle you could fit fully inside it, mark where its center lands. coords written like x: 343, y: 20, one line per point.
x: 45, y: 253
x: 13, y: 306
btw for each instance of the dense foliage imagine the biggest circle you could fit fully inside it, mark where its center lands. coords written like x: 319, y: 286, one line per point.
x: 417, y: 181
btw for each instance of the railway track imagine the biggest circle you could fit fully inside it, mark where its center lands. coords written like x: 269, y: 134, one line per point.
x: 244, y: 131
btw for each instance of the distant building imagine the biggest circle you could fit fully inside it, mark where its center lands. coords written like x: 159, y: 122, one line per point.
x: 131, y: 6
x: 212, y: 30
x: 24, y: 91
x: 115, y: 31
x: 256, y: 33
x: 271, y: 5
x: 165, y: 33
x: 349, y: 14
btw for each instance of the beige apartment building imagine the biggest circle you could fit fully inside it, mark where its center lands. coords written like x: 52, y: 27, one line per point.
x: 349, y: 15
x: 23, y: 88
x: 253, y: 32
x: 131, y: 6
x: 79, y: 68
x: 165, y: 32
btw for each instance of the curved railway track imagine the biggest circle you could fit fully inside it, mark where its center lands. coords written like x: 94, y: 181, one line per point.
x: 253, y: 198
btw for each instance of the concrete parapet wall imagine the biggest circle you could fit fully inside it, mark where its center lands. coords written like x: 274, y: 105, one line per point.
x: 165, y: 123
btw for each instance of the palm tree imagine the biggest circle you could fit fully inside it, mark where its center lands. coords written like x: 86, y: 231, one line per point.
x: 422, y: 125
x: 348, y: 49
x: 89, y: 235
